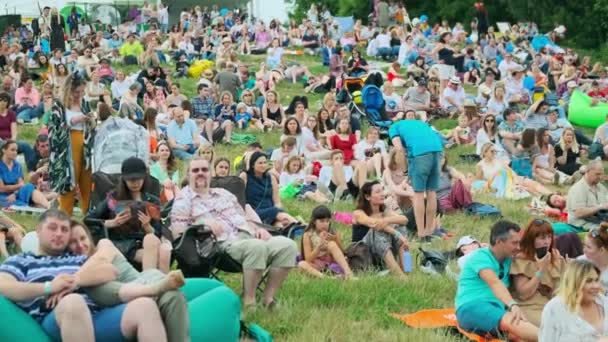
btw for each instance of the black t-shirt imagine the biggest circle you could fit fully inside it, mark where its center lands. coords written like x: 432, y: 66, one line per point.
x: 360, y: 62
x: 311, y: 38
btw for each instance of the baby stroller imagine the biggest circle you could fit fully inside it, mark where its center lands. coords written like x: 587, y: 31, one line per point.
x: 373, y: 109
x: 350, y: 91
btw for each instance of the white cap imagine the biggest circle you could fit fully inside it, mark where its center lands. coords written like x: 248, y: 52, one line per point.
x: 571, y: 84
x: 466, y: 240
x: 455, y: 80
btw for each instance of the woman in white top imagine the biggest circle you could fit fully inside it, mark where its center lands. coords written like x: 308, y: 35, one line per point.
x: 498, y: 101
x: 489, y: 134
x: 372, y: 151
x: 96, y: 90
x: 543, y: 164
x: 293, y: 129
x: 579, y: 311
x: 311, y: 147
x: 489, y: 167
x: 293, y: 172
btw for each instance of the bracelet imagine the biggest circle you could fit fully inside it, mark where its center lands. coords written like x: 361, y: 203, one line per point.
x: 538, y: 274
x: 397, y: 234
x: 47, y: 288
x: 511, y: 304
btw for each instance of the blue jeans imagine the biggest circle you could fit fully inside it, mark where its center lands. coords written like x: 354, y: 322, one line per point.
x: 185, y: 155
x: 106, y: 324
x: 385, y: 52
x: 27, y: 113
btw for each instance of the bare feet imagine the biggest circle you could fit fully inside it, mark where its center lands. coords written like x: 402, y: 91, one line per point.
x: 172, y: 281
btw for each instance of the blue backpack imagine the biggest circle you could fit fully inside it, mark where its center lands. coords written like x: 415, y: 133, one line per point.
x: 482, y: 210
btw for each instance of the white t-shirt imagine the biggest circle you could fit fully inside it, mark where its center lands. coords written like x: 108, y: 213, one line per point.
x: 286, y: 178
x: 363, y: 146
x: 393, y: 102
x: 457, y: 96
x: 325, y: 174
x: 277, y: 155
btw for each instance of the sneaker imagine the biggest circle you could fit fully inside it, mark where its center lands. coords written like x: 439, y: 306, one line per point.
x: 34, y: 121
x: 20, y: 121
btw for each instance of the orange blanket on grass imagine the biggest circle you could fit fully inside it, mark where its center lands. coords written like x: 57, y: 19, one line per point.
x: 438, y: 318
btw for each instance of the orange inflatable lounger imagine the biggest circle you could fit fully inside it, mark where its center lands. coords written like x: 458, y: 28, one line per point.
x: 438, y: 318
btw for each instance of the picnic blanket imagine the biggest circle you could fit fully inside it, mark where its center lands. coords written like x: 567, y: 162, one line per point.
x: 438, y: 318
x: 502, y: 185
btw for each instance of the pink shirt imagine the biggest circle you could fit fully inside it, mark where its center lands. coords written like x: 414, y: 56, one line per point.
x: 190, y: 208
x: 22, y: 97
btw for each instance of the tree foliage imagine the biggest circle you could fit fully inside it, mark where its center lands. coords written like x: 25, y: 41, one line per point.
x: 585, y: 19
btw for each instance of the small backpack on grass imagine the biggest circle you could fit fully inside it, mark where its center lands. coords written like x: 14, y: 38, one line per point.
x: 482, y: 210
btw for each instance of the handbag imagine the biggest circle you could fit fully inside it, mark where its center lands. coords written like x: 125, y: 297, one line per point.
x: 359, y: 257
x: 197, y: 251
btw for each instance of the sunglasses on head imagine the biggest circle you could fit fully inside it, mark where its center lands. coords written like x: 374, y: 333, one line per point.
x: 595, y: 233
x: 199, y: 170
x: 539, y: 221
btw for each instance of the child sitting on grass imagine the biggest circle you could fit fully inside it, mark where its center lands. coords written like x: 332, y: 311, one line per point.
x: 242, y: 117
x: 321, y: 247
x: 461, y: 135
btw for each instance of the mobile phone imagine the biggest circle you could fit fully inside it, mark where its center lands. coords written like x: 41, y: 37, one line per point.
x: 541, y: 252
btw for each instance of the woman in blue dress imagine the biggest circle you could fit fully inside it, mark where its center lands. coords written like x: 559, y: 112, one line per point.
x: 13, y: 189
x: 262, y: 192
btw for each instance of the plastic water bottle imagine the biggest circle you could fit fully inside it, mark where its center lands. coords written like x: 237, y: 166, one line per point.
x: 407, y: 261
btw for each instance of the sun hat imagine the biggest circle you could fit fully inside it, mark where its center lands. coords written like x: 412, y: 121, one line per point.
x: 133, y: 168
x: 466, y: 240
x: 226, y: 40
x: 455, y: 80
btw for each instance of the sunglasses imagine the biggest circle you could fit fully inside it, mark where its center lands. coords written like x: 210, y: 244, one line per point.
x: 539, y: 221
x: 595, y: 233
x: 199, y: 170
x: 501, y: 271
x: 489, y: 120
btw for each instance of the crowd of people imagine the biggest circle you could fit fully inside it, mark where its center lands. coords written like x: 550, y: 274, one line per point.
x: 93, y: 118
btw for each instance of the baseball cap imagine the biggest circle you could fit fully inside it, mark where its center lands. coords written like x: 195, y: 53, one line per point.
x: 466, y: 240
x: 133, y: 168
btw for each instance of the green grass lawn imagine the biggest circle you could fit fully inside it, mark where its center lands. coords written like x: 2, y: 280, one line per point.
x: 336, y: 310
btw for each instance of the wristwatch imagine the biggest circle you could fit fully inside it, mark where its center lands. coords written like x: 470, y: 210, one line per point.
x: 511, y: 305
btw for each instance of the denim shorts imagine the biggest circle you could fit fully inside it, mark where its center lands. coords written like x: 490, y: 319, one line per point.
x: 481, y: 317
x: 424, y: 171
x: 106, y: 324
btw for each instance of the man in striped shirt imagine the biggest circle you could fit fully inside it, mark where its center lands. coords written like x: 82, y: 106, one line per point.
x: 47, y: 286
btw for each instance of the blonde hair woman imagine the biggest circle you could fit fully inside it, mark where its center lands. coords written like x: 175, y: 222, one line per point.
x: 579, y: 311
x: 567, y: 153
x: 205, y: 151
x: 71, y: 143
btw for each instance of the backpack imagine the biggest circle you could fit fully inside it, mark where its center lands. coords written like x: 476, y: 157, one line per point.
x: 359, y: 256
x: 522, y: 167
x: 196, y: 251
x: 433, y: 260
x: 482, y: 210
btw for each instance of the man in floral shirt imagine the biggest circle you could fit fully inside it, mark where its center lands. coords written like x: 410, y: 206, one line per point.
x: 253, y: 247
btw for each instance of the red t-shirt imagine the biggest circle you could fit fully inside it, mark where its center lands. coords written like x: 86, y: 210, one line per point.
x: 346, y: 146
x: 5, y: 124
